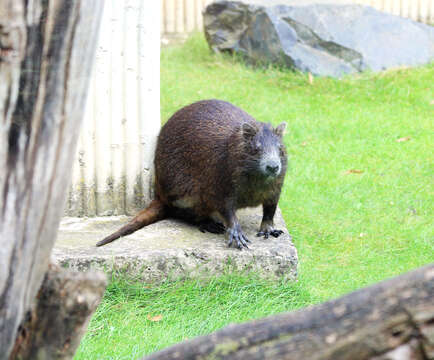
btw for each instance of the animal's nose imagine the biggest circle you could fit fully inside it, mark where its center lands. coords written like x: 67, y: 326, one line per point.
x: 272, y: 169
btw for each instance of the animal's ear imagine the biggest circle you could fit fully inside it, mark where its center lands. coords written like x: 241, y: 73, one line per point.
x: 249, y: 131
x: 280, y: 129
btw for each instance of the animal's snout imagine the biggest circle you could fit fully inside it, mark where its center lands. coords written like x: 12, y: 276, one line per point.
x: 273, y: 169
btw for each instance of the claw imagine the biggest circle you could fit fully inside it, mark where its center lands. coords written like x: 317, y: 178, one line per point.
x: 266, y: 233
x: 263, y: 233
x: 276, y: 233
x: 237, y: 237
x: 243, y: 241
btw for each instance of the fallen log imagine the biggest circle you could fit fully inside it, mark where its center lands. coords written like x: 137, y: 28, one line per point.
x: 393, y: 319
x: 64, y: 305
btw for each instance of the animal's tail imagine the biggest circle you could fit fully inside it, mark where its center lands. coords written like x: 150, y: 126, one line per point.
x: 154, y: 212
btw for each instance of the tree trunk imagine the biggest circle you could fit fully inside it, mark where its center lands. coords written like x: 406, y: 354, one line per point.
x: 46, y: 52
x: 390, y: 320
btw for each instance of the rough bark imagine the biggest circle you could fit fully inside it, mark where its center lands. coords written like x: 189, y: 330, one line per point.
x: 46, y: 51
x: 390, y: 320
x: 65, y: 302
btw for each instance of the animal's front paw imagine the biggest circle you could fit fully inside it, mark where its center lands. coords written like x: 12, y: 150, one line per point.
x: 266, y: 234
x: 268, y: 229
x: 237, y: 237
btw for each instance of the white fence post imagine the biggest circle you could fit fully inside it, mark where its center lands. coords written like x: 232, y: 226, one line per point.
x: 113, y: 168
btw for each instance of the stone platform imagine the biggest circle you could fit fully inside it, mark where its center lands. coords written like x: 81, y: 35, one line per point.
x: 171, y: 249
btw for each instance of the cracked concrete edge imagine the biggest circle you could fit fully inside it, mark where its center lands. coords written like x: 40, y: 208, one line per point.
x: 160, y: 266
x: 172, y: 249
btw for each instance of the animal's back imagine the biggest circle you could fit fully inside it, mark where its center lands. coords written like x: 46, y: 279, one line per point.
x: 191, y: 159
x: 202, y: 125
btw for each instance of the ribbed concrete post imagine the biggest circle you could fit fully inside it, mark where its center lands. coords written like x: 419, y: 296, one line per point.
x: 113, y: 168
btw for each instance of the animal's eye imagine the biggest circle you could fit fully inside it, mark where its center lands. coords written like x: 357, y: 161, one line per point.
x: 257, y: 146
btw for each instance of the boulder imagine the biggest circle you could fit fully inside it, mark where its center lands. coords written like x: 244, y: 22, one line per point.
x: 323, y: 39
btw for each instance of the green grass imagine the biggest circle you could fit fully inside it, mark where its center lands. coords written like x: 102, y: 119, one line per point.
x: 122, y: 326
x: 350, y: 230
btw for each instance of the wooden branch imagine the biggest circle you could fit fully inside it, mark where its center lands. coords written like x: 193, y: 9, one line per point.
x: 46, y: 52
x: 394, y: 317
x: 65, y: 302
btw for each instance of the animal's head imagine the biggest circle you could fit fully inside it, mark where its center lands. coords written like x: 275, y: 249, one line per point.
x: 266, y: 154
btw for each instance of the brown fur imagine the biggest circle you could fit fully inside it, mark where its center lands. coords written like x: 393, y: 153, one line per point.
x: 205, y: 170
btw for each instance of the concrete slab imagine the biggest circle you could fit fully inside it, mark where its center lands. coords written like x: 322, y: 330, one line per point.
x: 171, y: 249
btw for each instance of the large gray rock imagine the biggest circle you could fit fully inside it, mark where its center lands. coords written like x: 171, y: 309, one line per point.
x: 324, y: 39
x: 171, y: 249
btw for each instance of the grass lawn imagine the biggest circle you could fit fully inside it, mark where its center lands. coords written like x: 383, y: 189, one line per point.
x: 358, y: 197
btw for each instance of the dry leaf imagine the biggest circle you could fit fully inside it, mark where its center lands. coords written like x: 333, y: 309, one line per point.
x: 310, y: 77
x: 403, y: 139
x: 304, y: 143
x: 431, y: 102
x: 353, y: 171
x: 155, y: 318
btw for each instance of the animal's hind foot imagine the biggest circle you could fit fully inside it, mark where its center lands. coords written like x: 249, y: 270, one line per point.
x: 212, y: 227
